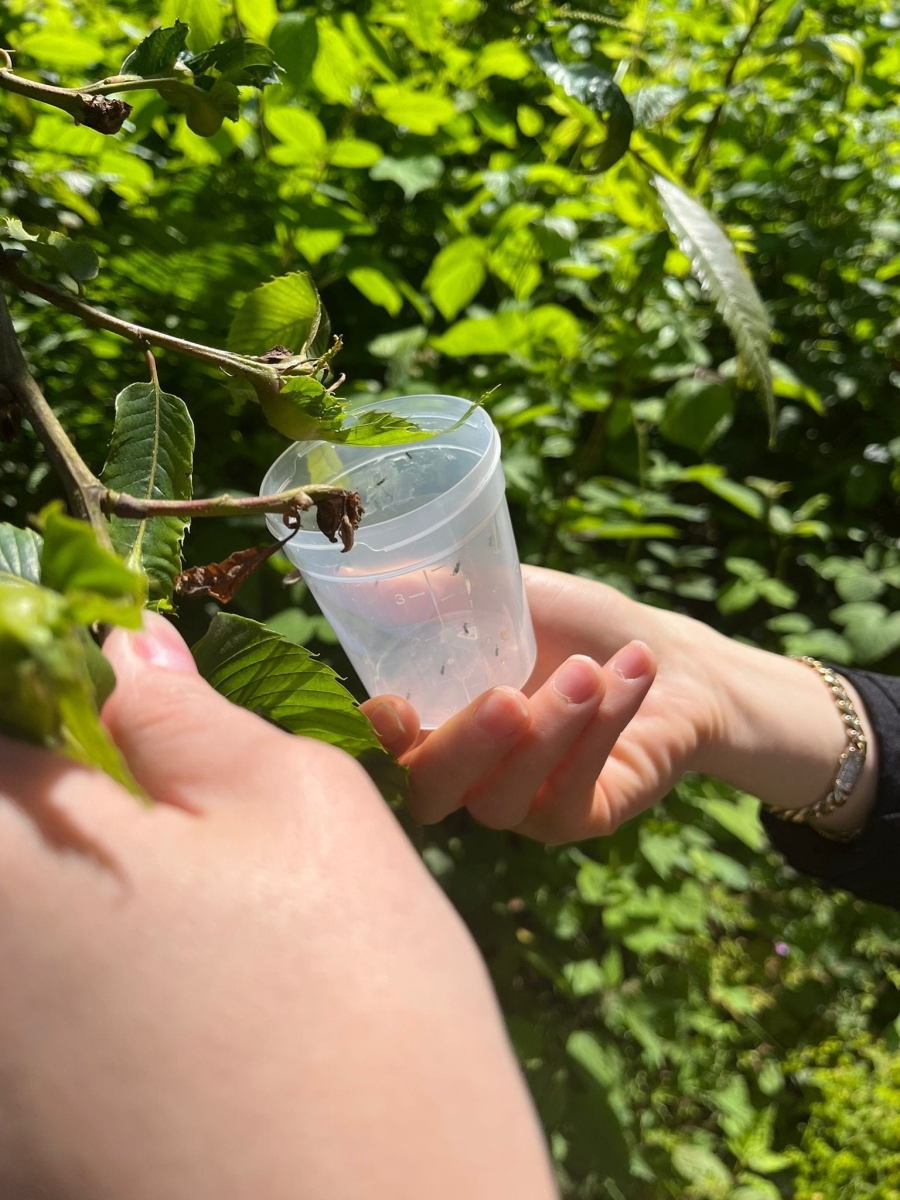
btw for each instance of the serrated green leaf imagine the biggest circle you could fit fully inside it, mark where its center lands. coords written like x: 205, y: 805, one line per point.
x: 303, y: 410
x: 20, y: 553
x: 157, y: 53
x: 265, y: 673
x: 598, y: 91
x: 96, y: 585
x: 281, y: 312
x: 150, y: 457
x: 76, y: 258
x: 717, y: 266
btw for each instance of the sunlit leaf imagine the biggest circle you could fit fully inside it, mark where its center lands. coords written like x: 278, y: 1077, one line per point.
x: 279, y: 313
x: 413, y: 175
x: 97, y: 585
x: 599, y: 92
x: 456, y: 275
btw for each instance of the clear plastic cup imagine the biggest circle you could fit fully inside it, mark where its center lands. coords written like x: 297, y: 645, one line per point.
x: 429, y: 603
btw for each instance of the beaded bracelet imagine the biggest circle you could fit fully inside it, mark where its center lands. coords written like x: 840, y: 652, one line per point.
x: 850, y: 763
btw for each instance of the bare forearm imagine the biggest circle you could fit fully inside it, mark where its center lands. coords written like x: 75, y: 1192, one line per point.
x: 781, y: 735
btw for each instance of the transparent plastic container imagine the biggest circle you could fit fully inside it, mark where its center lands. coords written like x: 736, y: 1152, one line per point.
x: 429, y: 603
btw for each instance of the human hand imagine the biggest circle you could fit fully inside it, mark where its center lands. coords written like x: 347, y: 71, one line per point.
x: 251, y: 988
x: 673, y: 696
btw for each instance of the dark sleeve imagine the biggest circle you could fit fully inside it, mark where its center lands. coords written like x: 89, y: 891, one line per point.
x: 870, y: 865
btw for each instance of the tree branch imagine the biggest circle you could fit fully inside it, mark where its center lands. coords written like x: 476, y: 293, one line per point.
x: 120, y: 504
x: 86, y: 107
x: 709, y: 133
x: 127, y: 329
x: 83, y: 488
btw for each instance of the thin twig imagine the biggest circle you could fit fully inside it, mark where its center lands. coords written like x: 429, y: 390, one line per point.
x: 713, y: 124
x: 83, y: 488
x: 120, y: 504
x: 234, y: 363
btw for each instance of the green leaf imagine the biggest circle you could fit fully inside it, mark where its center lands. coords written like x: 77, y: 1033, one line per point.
x: 295, y: 43
x: 599, y: 92
x: 279, y: 313
x: 157, y: 53
x: 303, y: 410
x: 76, y: 258
x: 710, y: 1177
x: 150, y: 457
x: 240, y: 60
x: 20, y: 553
x: 418, y: 111
x: 97, y: 585
x: 423, y: 23
x: 285, y: 684
x: 413, y: 175
x: 698, y: 412
x: 204, y: 18
x: 47, y: 692
x: 456, y: 275
x: 377, y: 288
x: 717, y: 266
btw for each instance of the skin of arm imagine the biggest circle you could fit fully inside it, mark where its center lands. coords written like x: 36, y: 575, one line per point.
x: 252, y: 988
x: 658, y: 694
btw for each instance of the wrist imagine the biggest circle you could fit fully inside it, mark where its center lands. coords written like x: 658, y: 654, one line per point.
x: 779, y: 734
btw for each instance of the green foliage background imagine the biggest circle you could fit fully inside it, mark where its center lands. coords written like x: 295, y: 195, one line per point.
x: 677, y: 996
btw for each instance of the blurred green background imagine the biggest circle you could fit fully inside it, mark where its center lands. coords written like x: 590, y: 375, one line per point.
x: 694, y: 1019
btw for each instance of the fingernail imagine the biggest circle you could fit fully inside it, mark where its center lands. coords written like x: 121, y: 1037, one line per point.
x: 161, y: 645
x: 501, y: 713
x: 633, y: 661
x: 577, y: 680
x: 387, y: 724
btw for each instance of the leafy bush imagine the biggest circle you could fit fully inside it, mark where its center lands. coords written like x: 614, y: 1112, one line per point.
x: 454, y: 178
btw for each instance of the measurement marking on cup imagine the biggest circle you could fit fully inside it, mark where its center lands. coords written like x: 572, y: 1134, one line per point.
x: 415, y: 595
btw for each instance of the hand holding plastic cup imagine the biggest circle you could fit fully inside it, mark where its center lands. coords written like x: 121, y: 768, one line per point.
x: 429, y: 603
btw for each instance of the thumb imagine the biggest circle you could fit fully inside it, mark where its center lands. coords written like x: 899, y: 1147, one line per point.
x: 185, y: 744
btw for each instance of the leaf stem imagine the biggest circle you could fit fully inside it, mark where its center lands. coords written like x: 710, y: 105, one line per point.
x: 84, y: 489
x: 84, y: 105
x: 120, y: 504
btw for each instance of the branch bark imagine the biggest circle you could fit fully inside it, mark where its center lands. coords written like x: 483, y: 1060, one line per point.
x: 120, y: 504
x: 84, y: 489
x: 86, y: 107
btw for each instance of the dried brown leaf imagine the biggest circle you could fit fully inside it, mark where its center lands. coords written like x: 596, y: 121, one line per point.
x: 339, y: 517
x: 222, y: 579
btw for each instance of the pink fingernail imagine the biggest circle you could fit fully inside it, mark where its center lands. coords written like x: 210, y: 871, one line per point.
x: 577, y: 680
x: 387, y: 724
x: 633, y: 662
x: 161, y: 645
x: 501, y: 713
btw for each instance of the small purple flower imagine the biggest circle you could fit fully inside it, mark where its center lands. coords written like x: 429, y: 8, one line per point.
x: 782, y: 949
